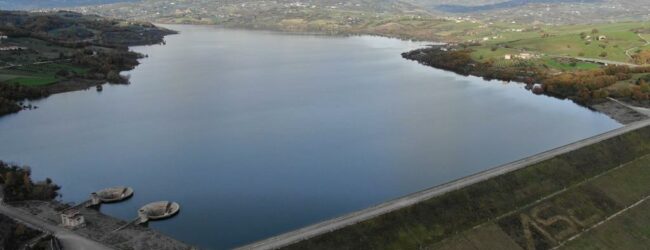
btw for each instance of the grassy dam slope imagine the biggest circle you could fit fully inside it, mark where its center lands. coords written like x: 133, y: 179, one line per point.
x: 592, y: 196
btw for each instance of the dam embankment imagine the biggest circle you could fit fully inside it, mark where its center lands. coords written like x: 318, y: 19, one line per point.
x: 430, y: 216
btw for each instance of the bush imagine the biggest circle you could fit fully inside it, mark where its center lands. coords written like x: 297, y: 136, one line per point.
x: 18, y: 186
x: 642, y: 57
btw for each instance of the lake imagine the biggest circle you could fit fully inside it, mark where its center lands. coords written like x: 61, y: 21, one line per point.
x: 258, y: 133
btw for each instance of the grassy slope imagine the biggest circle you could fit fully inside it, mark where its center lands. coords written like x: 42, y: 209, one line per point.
x: 577, y: 208
x: 37, y: 75
x: 631, y: 230
x: 444, y: 217
x: 566, y: 40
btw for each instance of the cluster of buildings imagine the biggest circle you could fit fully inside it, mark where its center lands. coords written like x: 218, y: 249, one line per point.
x: 522, y: 56
x: 598, y: 38
x: 3, y: 47
x: 11, y: 48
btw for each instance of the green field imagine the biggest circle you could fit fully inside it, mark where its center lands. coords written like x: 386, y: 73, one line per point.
x: 551, y: 222
x: 630, y: 230
x: 538, y: 207
x: 33, y: 81
x: 550, y: 41
x: 37, y: 75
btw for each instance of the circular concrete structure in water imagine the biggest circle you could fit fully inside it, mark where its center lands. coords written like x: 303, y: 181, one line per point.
x: 158, y: 210
x: 114, y: 194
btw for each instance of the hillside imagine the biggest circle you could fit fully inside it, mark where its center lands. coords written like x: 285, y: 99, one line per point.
x: 257, y: 13
x: 33, y: 4
x: 460, y: 8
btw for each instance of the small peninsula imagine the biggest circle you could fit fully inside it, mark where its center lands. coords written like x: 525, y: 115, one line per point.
x: 54, y: 52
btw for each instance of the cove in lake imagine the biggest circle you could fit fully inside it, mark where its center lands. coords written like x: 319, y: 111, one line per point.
x: 258, y: 133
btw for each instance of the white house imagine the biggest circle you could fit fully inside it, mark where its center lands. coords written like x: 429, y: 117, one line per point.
x: 525, y: 56
x: 12, y: 48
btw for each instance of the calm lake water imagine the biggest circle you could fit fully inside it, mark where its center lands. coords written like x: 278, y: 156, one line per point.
x: 257, y: 133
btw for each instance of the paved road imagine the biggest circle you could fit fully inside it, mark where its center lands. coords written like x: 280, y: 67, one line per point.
x: 35, y: 63
x: 629, y: 54
x: 356, y: 217
x: 600, y: 61
x: 67, y: 238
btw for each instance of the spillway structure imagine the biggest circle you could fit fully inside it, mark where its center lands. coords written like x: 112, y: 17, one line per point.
x: 110, y: 195
x: 159, y: 210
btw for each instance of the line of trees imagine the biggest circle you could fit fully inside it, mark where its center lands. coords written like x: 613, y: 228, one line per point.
x: 106, y: 65
x: 587, y: 86
x: 12, y: 94
x: 584, y: 86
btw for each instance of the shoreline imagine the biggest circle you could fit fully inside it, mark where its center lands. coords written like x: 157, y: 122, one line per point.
x: 341, y: 34
x: 611, y: 109
x: 452, y: 59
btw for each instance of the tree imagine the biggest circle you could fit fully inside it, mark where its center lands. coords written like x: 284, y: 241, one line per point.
x: 642, y: 57
x: 114, y: 77
x: 600, y: 94
x: 603, y: 54
x: 638, y: 95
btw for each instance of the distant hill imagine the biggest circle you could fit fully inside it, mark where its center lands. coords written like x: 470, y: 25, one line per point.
x: 457, y: 8
x: 35, y: 4
x: 331, y: 15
